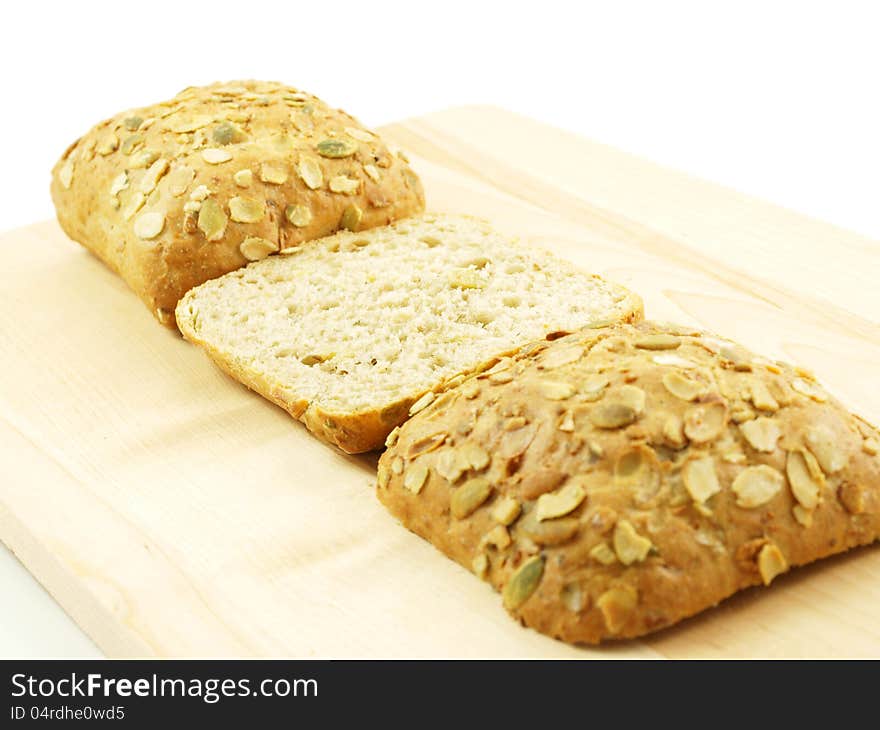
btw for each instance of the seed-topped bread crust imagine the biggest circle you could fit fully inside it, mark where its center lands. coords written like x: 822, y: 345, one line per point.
x: 618, y: 480
x: 173, y: 194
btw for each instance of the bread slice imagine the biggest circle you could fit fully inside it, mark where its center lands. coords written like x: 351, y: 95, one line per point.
x: 353, y: 332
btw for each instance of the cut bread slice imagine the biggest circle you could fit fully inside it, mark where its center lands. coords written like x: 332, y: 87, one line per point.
x: 352, y: 332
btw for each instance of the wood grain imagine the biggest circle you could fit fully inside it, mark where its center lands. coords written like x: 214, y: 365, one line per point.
x: 174, y: 513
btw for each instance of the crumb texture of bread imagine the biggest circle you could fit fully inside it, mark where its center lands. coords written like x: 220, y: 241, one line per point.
x: 618, y: 480
x: 173, y: 194
x: 354, y: 331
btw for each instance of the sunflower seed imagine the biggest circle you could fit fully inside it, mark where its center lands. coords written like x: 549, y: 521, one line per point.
x: 771, y: 562
x: 561, y: 502
x: 700, y: 478
x: 415, y: 478
x: 761, y: 434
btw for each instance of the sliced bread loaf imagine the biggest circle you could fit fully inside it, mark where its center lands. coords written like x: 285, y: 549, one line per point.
x: 355, y: 332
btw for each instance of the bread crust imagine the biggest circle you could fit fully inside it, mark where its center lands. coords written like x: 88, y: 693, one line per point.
x: 616, y: 481
x: 355, y: 432
x: 132, y: 189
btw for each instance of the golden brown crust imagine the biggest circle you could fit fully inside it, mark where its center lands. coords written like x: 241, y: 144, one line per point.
x: 152, y: 193
x: 616, y: 481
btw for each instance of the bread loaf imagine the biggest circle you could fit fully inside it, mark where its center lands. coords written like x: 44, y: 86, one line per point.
x: 618, y: 480
x: 353, y: 332
x: 174, y: 194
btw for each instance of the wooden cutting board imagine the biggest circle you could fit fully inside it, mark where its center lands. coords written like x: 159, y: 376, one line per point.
x: 172, y: 512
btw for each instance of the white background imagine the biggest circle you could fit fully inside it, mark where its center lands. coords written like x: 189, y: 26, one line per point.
x: 777, y: 99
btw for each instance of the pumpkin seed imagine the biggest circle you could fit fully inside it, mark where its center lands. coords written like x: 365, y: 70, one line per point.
x: 523, y: 583
x: 212, y: 220
x: 336, y: 148
x: 246, y: 210
x: 351, y: 217
x: 469, y: 496
x: 756, y: 485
